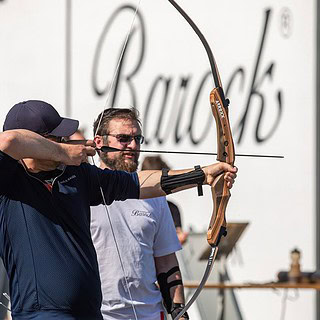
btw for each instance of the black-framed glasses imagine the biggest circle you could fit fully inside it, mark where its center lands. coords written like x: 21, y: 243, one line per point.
x: 127, y: 138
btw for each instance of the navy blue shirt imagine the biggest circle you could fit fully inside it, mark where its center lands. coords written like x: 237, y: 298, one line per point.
x: 45, y: 240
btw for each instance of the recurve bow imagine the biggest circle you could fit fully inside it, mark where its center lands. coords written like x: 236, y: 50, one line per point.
x: 225, y: 153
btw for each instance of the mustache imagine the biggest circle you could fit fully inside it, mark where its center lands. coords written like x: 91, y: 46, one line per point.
x: 129, y: 152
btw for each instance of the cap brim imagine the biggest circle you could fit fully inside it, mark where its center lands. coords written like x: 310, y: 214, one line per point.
x: 66, y: 128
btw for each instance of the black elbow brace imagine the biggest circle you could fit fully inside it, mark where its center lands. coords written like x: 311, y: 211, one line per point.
x: 165, y: 286
x: 171, y: 307
x: 169, y: 183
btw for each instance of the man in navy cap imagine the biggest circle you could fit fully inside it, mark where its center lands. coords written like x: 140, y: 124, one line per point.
x: 46, y: 190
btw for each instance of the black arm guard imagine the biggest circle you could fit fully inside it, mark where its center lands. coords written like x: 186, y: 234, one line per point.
x: 169, y: 183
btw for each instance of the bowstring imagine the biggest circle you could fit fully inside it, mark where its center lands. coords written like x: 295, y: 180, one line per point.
x: 117, y: 247
x: 98, y: 127
x: 118, y: 64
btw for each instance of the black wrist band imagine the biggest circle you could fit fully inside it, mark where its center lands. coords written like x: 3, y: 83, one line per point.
x: 199, y: 187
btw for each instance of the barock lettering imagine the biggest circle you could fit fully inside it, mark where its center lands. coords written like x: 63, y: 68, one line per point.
x: 170, y: 106
x: 255, y: 92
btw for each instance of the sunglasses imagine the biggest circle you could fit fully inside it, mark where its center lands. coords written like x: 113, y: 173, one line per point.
x: 127, y: 138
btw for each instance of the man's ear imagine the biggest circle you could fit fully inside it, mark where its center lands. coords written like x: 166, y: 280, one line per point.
x: 99, y: 141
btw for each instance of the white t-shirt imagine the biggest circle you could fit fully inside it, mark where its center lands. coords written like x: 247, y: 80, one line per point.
x: 144, y: 229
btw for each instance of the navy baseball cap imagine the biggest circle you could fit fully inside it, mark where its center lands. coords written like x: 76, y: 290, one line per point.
x: 40, y: 117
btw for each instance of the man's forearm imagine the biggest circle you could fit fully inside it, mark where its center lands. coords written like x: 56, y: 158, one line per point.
x: 150, y: 183
x: 20, y: 144
x: 178, y: 291
x: 170, y: 283
x: 150, y: 180
x: 163, y: 265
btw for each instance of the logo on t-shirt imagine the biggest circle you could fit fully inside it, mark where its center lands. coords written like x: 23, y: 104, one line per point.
x: 68, y: 179
x: 139, y: 213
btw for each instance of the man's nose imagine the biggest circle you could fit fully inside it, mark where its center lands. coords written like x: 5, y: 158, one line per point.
x: 133, y: 145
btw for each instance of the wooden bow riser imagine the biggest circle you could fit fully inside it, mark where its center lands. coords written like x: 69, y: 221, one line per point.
x: 217, y: 225
x: 225, y: 151
x: 225, y: 147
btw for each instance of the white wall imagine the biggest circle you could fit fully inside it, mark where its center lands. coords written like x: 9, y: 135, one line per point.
x: 275, y: 196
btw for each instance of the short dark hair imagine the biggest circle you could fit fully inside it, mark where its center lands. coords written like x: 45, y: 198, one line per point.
x: 114, y: 113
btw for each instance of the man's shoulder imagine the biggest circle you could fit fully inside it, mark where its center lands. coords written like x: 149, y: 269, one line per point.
x: 158, y: 206
x: 11, y: 172
x: 153, y: 204
x: 5, y: 158
x: 155, y: 201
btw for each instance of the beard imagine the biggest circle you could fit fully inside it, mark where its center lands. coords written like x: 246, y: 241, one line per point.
x: 120, y: 163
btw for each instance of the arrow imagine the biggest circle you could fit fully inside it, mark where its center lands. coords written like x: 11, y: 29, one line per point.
x: 111, y: 149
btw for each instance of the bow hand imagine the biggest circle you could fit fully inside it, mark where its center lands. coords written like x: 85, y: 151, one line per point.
x: 221, y: 171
